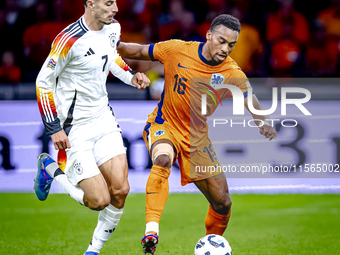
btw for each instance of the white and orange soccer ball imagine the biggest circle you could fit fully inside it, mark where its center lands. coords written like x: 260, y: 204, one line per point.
x: 212, y: 245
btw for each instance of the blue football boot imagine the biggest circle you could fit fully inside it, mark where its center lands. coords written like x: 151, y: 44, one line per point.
x: 43, y: 181
x: 91, y: 253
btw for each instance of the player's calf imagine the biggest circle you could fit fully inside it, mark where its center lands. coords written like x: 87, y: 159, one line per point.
x: 218, y: 215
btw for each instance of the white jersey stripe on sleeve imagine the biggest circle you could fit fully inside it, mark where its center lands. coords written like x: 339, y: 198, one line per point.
x: 43, y: 104
x: 61, y: 46
x: 65, y: 38
x: 49, y: 107
x: 45, y: 99
x: 65, y: 35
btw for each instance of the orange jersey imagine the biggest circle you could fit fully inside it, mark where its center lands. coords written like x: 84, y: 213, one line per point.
x: 188, y: 75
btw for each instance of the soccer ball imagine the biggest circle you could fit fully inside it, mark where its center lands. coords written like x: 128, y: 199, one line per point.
x: 212, y: 245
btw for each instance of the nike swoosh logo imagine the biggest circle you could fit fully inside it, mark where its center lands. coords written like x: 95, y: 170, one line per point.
x: 152, y: 192
x: 179, y: 65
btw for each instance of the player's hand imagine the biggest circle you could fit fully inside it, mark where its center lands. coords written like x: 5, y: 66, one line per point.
x: 60, y: 140
x: 268, y: 132
x: 140, y: 81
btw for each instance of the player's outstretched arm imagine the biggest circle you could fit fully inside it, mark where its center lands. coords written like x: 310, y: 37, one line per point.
x: 140, y: 81
x: 134, y: 51
x: 266, y: 129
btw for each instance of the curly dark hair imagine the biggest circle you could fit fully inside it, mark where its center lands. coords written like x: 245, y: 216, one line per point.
x: 226, y: 20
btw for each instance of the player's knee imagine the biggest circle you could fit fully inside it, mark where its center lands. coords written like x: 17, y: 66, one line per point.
x: 121, y: 191
x: 124, y: 190
x: 163, y: 155
x: 223, y: 206
x: 99, y: 202
x: 163, y: 160
x: 119, y: 194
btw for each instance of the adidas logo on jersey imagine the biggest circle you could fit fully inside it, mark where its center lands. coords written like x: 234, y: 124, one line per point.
x: 89, y: 53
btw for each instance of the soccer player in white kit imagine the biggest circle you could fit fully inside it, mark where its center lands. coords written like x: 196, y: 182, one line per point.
x: 73, y: 102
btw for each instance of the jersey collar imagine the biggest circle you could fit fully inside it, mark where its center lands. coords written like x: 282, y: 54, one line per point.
x: 203, y: 59
x: 83, y: 24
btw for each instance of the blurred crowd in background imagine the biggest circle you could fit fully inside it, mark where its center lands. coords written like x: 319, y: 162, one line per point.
x: 279, y: 38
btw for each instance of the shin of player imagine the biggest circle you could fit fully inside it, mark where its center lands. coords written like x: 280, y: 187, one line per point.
x: 157, y: 187
x: 216, y: 191
x: 157, y: 191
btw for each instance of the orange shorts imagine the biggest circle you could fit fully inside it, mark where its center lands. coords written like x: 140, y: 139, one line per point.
x: 195, y: 164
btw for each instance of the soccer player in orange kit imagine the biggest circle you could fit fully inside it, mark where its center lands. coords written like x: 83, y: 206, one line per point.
x: 176, y: 129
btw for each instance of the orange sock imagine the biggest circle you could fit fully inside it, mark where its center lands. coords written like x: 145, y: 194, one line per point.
x: 157, y: 192
x: 216, y: 223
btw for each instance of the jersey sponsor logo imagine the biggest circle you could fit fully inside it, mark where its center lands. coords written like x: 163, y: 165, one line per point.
x: 216, y: 79
x: 113, y: 40
x: 78, y: 168
x: 89, y: 52
x: 51, y: 64
x: 179, y: 65
x: 159, y: 132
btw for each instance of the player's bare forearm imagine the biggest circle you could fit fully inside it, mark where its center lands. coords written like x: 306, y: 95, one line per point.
x: 134, y: 51
x: 262, y: 121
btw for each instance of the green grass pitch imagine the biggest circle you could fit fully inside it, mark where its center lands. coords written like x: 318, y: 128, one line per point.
x: 260, y: 224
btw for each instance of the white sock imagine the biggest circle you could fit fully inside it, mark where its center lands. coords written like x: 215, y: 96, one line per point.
x: 152, y: 226
x: 75, y: 192
x: 108, y: 219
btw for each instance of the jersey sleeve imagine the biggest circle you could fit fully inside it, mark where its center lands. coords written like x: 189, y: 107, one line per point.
x: 162, y: 50
x: 118, y: 67
x: 46, y: 85
x: 121, y: 70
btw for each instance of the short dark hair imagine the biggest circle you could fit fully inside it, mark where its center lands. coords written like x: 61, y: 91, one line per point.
x: 226, y: 20
x: 84, y: 1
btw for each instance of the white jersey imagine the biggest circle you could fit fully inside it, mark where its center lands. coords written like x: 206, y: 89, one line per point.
x: 71, y: 85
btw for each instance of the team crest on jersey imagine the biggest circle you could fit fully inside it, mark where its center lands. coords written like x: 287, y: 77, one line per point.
x: 216, y: 79
x: 159, y: 132
x: 51, y: 64
x: 78, y: 168
x: 113, y: 40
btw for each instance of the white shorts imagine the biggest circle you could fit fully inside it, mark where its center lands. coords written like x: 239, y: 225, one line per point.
x: 92, y: 143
